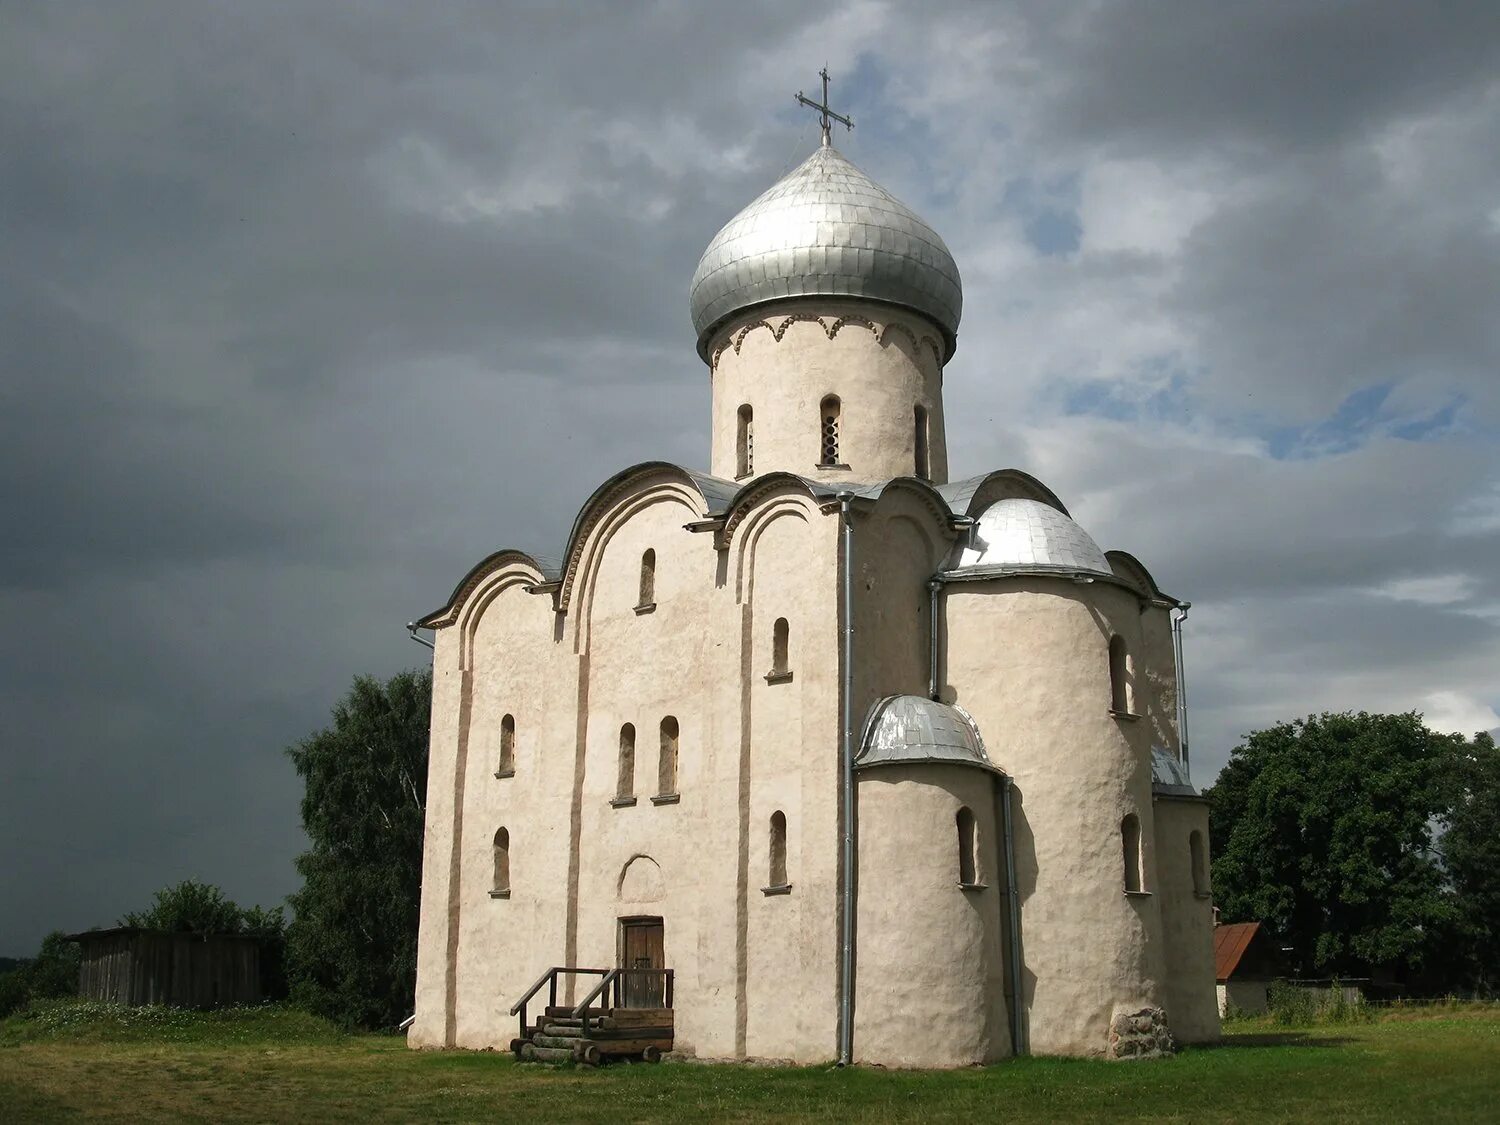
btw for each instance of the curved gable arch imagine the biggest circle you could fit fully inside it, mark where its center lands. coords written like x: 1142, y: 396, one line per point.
x: 1130, y: 569
x: 897, y: 489
x: 607, y: 516
x: 634, y: 481
x: 1008, y: 484
x: 504, y: 561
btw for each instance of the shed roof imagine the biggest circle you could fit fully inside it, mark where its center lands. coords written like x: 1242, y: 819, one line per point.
x: 1230, y: 943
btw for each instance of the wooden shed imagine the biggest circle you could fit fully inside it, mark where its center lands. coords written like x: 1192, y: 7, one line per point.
x: 1246, y: 961
x: 133, y: 966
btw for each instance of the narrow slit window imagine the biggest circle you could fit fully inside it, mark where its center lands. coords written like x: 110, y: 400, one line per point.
x: 507, y: 765
x: 648, y: 580
x: 968, y: 848
x: 1130, y: 838
x: 501, y: 883
x: 780, y: 636
x: 778, y: 849
x: 745, y: 443
x: 1119, y: 676
x: 666, y: 770
x: 830, y: 411
x: 625, y: 786
x: 924, y: 469
x: 1200, y: 863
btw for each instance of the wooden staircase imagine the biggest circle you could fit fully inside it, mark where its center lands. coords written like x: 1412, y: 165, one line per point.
x: 592, y: 1034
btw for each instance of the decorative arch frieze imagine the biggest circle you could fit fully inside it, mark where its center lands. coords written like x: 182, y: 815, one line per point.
x: 831, y: 326
x: 863, y: 322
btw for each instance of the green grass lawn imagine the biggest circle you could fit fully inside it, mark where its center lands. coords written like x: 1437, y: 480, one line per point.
x: 277, y: 1065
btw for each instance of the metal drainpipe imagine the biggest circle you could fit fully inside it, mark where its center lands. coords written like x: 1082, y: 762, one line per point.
x: 411, y: 628
x: 1013, y: 902
x: 846, y: 953
x: 1182, y: 710
x: 934, y: 588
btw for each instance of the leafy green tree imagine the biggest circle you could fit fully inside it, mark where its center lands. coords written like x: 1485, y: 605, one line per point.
x: 189, y: 907
x: 1471, y: 854
x: 1323, y: 829
x: 51, y: 973
x: 352, y: 947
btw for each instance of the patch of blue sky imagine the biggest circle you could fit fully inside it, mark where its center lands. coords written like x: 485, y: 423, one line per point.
x: 1361, y: 418
x: 1158, y: 391
x: 1048, y: 210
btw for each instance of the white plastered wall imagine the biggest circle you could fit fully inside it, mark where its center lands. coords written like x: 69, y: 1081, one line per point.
x: 1028, y: 657
x: 1187, y: 921
x: 931, y: 971
x: 782, y: 362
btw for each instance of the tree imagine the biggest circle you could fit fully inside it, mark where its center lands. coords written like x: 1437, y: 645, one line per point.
x: 352, y: 947
x: 1323, y: 830
x: 51, y: 973
x: 1471, y: 854
x: 189, y: 907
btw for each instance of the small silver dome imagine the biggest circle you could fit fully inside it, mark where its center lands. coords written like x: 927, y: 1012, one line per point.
x: 911, y: 728
x: 1029, y: 533
x: 826, y: 229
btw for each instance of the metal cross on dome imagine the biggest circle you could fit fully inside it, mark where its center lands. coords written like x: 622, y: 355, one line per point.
x: 825, y: 113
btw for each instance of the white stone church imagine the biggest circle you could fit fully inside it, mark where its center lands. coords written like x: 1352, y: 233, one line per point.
x: 882, y: 767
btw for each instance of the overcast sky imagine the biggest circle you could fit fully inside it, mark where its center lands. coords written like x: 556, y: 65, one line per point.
x: 305, y: 308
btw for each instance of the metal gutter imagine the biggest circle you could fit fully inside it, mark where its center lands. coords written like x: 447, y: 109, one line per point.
x: 1018, y: 1044
x: 846, y: 951
x: 1182, y: 705
x: 934, y: 588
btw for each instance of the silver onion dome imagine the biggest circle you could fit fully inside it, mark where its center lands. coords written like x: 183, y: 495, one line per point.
x: 1028, y: 533
x: 826, y: 229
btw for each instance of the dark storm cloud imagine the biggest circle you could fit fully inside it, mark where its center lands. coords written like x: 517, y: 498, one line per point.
x: 1166, y: 76
x: 306, y: 308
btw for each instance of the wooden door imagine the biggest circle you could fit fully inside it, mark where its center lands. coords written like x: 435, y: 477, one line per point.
x: 642, y: 947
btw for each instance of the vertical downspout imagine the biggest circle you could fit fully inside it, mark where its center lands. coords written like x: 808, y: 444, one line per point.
x: 934, y: 588
x: 846, y: 952
x: 1013, y: 903
x: 1182, y: 706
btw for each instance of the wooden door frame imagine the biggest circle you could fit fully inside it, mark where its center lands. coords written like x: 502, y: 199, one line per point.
x: 627, y: 922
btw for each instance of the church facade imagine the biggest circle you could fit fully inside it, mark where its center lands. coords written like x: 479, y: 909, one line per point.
x: 885, y: 768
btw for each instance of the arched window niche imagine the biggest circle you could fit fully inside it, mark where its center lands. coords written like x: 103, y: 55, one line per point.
x: 507, y: 764
x: 647, y: 599
x: 666, y: 764
x: 776, y: 882
x: 1130, y: 840
x: 920, y: 443
x: 968, y: 850
x: 744, y: 444
x: 500, y: 884
x: 830, y: 423
x: 781, y: 669
x: 1121, y: 696
x: 1198, y: 854
x: 625, y: 777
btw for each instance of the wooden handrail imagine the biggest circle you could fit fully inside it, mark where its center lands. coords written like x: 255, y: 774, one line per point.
x: 581, y: 1011
x: 551, y: 974
x: 549, y: 977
